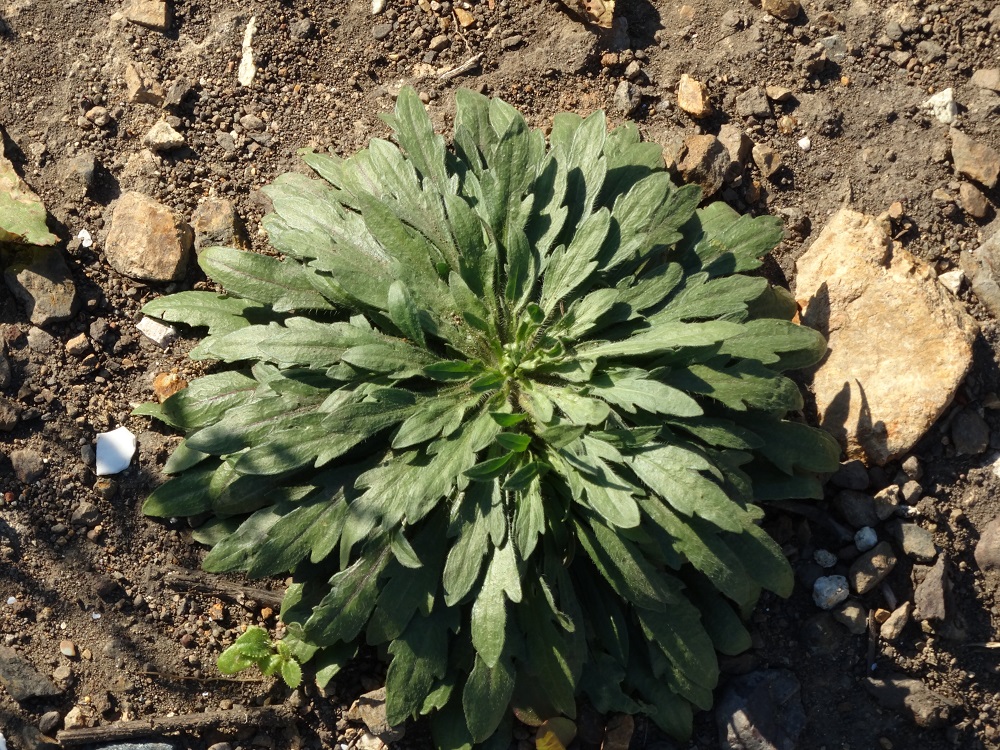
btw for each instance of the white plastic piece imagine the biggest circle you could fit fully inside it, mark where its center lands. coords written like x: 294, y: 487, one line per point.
x: 12, y: 600
x: 160, y: 334
x: 85, y: 239
x: 248, y: 69
x: 114, y: 451
x: 942, y: 106
x: 3, y: 742
x: 804, y: 143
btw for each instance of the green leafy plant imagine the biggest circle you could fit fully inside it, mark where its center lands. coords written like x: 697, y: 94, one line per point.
x: 255, y: 648
x: 509, y: 408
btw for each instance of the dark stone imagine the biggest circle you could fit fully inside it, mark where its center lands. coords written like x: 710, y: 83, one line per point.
x: 969, y: 433
x: 753, y: 103
x: 381, y: 30
x: 857, y: 508
x: 50, y: 722
x: 761, y: 711
x: 21, y: 679
x: 931, y: 595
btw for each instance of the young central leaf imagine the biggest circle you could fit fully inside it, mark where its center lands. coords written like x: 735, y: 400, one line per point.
x: 504, y: 408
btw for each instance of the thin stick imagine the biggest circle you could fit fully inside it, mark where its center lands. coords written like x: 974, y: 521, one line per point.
x: 462, y: 68
x: 129, y: 730
x: 182, y: 579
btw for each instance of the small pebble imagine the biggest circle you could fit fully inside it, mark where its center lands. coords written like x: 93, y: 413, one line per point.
x: 829, y: 591
x: 865, y: 538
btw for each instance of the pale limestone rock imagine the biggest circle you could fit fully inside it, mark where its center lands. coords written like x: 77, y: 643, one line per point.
x: 147, y: 241
x: 942, y: 106
x: 900, y: 344
x: 162, y: 137
x: 154, y: 14
x: 692, y: 97
x: 140, y: 88
x: 737, y: 143
x: 248, y: 68
x: 974, y: 159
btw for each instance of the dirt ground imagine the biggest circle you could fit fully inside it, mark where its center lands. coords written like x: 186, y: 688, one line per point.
x: 78, y: 561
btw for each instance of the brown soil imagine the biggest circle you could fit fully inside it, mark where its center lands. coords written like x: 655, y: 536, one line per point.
x: 322, y: 84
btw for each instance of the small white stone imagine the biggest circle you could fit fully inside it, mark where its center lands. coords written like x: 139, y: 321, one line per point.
x: 3, y: 742
x: 952, y: 280
x: 85, y: 239
x: 114, y: 451
x: 804, y: 143
x: 11, y: 600
x: 247, y: 70
x: 160, y: 334
x: 825, y: 558
x: 942, y: 106
x: 865, y: 538
x: 377, y: 6
x: 829, y: 591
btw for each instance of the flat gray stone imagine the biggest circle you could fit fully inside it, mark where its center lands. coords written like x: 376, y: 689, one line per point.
x: 21, y: 679
x: 988, y: 547
x: 28, y: 465
x: 974, y: 159
x: 41, y: 282
x: 911, y: 698
x: 931, y: 595
x: 916, y: 541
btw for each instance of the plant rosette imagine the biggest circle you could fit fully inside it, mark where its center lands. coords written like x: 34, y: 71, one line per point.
x: 508, y: 409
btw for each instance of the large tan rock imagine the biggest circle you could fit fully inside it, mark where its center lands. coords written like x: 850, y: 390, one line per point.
x: 899, y: 343
x: 147, y: 241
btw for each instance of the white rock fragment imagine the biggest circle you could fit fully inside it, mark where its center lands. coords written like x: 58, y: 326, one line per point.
x: 85, y: 238
x: 248, y: 69
x: 3, y: 742
x: 12, y: 600
x: 865, y: 538
x: 952, y: 280
x: 114, y: 451
x: 829, y: 591
x: 942, y: 106
x: 160, y: 334
x: 377, y: 6
x: 805, y: 143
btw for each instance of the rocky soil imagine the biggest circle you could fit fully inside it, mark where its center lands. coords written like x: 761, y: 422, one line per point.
x: 148, y: 127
